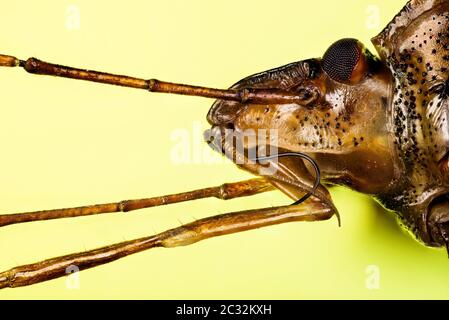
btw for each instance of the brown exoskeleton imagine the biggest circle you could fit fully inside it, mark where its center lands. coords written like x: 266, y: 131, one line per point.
x: 377, y: 125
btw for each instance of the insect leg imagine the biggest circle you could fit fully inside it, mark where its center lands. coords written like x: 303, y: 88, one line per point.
x: 438, y: 223
x: 224, y: 192
x: 184, y: 235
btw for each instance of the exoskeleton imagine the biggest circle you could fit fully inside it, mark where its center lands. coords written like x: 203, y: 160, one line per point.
x: 376, y: 124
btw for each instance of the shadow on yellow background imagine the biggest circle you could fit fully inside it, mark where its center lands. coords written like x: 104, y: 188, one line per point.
x: 68, y: 143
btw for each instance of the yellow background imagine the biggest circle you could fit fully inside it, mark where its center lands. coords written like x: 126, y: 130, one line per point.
x: 67, y: 143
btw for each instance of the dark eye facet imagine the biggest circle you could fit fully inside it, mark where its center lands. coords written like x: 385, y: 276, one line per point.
x: 343, y: 59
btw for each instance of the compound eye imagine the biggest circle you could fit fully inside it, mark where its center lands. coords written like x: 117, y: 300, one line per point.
x: 345, y: 61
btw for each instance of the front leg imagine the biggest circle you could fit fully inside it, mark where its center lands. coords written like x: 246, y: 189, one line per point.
x: 438, y: 223
x: 187, y: 234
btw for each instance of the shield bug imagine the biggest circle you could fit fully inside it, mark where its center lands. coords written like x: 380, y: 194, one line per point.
x: 376, y: 124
